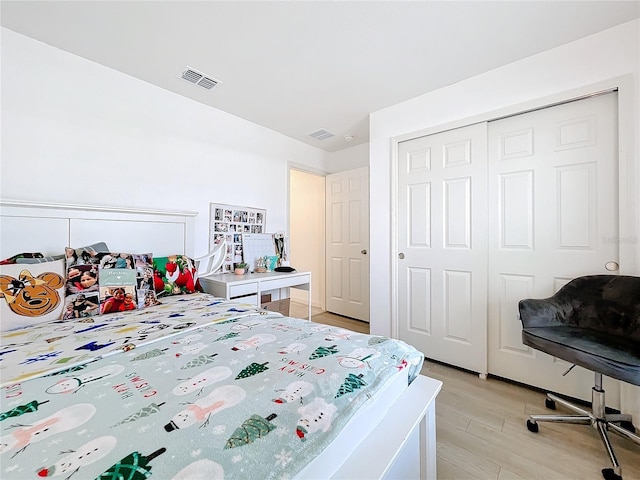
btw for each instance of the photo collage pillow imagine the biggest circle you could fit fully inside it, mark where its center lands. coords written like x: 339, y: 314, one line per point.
x: 106, y: 282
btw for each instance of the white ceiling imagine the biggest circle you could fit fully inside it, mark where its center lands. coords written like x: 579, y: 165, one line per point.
x: 296, y: 67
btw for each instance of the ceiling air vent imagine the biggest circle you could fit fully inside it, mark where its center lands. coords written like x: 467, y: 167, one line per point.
x: 193, y: 76
x: 321, y: 134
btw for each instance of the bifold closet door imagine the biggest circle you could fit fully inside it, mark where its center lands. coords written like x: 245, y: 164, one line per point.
x: 442, y: 246
x: 553, y: 202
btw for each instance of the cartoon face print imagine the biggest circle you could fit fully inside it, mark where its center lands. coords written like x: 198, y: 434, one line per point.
x: 247, y: 325
x: 294, y: 391
x: 292, y: 348
x: 187, y: 339
x: 358, y: 357
x: 191, y: 349
x: 31, y: 296
x: 254, y: 342
x: 208, y: 377
x: 80, y: 457
x: 199, y: 411
x: 340, y: 334
x: 315, y: 416
x: 73, y: 384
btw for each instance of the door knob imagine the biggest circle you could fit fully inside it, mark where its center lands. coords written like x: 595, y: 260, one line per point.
x: 401, y: 255
x: 364, y: 252
x: 612, y: 266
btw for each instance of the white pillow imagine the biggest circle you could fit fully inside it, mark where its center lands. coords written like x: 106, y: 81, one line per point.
x: 31, y: 294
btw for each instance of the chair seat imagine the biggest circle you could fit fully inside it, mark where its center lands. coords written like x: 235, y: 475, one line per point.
x: 611, y: 355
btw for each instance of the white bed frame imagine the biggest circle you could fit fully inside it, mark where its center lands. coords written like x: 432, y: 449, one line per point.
x: 403, y: 444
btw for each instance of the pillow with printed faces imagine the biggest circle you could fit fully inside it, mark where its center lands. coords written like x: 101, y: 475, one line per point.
x: 175, y: 275
x: 86, y: 255
x: 93, y: 288
x: 31, y: 294
x: 125, y: 282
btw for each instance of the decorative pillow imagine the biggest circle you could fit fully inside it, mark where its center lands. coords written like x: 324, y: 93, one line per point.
x: 84, y: 255
x: 31, y: 294
x: 107, y: 282
x: 175, y: 275
x: 21, y: 256
x: 26, y: 260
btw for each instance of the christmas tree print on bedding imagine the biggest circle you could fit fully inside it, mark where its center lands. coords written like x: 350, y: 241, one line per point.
x: 250, y: 397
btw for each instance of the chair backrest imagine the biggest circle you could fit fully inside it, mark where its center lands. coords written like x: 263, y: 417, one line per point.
x: 605, y: 303
x: 210, y: 263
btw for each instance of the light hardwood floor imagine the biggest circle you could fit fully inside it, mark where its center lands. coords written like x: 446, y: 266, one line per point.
x: 481, y: 431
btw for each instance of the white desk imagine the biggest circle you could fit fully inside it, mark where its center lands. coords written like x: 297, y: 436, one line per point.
x: 249, y: 287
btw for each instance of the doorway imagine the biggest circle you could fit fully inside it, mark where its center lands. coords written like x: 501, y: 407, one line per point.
x: 306, y: 234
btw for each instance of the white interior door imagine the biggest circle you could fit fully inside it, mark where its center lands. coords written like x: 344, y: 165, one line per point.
x: 553, y: 202
x: 442, y: 246
x: 347, y: 243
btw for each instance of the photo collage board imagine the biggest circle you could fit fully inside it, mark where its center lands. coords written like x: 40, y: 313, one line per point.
x: 230, y: 222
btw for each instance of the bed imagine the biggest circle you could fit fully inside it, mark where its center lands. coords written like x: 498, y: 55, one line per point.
x: 198, y: 386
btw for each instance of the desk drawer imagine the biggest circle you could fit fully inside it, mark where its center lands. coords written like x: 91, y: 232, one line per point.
x: 275, y: 283
x: 243, y: 289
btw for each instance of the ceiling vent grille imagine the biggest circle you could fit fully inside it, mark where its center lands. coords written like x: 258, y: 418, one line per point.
x: 321, y: 134
x: 200, y: 79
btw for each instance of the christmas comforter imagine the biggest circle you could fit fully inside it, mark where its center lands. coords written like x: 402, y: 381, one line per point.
x: 214, y: 390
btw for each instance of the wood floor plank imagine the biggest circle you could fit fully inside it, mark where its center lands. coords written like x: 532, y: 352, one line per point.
x: 481, y: 430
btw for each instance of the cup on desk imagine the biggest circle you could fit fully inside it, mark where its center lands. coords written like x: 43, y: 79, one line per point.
x: 271, y: 263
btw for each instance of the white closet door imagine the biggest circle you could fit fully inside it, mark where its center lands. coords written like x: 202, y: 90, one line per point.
x: 553, y: 202
x: 442, y: 245
x: 347, y: 243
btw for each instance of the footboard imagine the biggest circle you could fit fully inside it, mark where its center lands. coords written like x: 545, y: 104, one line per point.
x: 404, y: 444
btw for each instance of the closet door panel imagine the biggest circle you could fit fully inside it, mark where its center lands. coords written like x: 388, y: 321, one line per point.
x: 552, y: 200
x: 442, y: 242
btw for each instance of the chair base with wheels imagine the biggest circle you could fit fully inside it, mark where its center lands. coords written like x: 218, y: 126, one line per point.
x: 597, y: 418
x: 593, y: 322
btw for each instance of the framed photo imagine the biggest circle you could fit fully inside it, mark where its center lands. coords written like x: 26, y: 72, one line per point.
x: 230, y: 222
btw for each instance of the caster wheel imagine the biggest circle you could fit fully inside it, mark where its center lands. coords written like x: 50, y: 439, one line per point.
x: 550, y: 404
x: 532, y: 426
x: 609, y: 474
x: 628, y: 426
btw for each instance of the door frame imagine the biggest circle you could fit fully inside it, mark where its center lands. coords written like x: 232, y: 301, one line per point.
x: 627, y: 205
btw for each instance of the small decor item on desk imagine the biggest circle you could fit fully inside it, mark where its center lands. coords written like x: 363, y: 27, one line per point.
x: 271, y: 262
x: 286, y: 269
x: 240, y: 268
x: 260, y: 265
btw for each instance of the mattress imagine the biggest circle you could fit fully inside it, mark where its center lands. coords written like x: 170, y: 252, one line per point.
x: 198, y: 387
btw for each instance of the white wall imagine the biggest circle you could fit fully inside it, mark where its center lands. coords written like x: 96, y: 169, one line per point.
x: 77, y: 132
x: 348, y: 158
x: 574, y: 67
x: 609, y: 54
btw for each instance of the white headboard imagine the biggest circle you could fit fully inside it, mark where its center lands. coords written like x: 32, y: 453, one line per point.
x: 49, y: 227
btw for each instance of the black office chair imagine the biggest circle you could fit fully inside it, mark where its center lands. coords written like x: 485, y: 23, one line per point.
x: 594, y: 322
